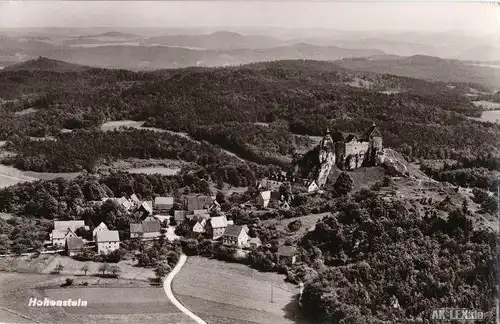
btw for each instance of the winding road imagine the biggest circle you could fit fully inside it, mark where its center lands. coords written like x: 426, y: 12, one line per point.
x: 167, y: 286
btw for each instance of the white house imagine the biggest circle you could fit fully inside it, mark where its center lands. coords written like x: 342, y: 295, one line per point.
x: 63, y: 230
x: 100, y: 227
x: 263, y: 198
x: 217, y: 226
x: 235, y: 235
x: 312, y: 187
x: 200, y: 226
x: 59, y: 237
x: 107, y: 241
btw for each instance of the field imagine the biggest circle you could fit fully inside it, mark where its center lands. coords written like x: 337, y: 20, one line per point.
x: 487, y: 105
x: 72, y: 267
x: 112, y: 304
x: 230, y: 293
x: 155, y: 170
x: 10, y: 176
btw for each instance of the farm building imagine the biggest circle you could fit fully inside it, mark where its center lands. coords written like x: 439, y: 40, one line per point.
x: 146, y: 207
x: 235, y: 235
x: 63, y: 230
x: 100, y: 227
x: 198, y: 202
x: 107, y: 241
x: 59, y: 237
x: 200, y: 226
x: 287, y: 254
x: 148, y: 228
x: 216, y: 226
x: 73, y: 245
x: 163, y: 204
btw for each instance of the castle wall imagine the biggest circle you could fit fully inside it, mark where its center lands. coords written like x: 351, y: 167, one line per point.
x: 356, y: 154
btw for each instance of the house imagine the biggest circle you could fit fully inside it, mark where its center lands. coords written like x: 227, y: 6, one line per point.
x: 215, y: 207
x: 124, y: 202
x: 263, y: 198
x: 180, y: 215
x: 254, y: 242
x: 312, y: 187
x: 198, y: 202
x: 164, y: 204
x: 148, y: 228
x: 107, y: 241
x: 287, y: 254
x: 73, y: 245
x: 63, y: 230
x: 146, y: 207
x: 135, y: 200
x: 200, y: 226
x: 100, y: 227
x: 285, y: 205
x: 59, y: 237
x: 235, y: 235
x: 216, y: 226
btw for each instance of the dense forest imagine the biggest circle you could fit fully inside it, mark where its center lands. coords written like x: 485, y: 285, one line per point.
x: 376, y: 262
x: 307, y: 96
x: 85, y: 150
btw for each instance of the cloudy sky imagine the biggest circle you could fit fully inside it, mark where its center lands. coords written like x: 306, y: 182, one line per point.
x: 349, y: 15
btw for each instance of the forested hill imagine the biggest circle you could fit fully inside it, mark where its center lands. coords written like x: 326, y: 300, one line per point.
x: 427, y: 119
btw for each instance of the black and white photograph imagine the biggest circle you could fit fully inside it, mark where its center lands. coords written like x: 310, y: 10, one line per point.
x: 249, y: 162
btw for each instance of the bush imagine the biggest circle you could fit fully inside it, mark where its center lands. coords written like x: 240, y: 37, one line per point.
x: 295, y: 225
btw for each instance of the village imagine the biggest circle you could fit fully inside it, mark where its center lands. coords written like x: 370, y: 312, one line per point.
x: 202, y: 216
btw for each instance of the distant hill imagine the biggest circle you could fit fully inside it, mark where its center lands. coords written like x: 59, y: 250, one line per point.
x: 221, y: 40
x: 45, y: 64
x: 164, y: 57
x: 426, y: 68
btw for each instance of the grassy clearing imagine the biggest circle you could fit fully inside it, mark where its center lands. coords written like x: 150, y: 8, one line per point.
x: 156, y: 170
x: 308, y: 223
x: 234, y: 293
x: 73, y: 267
x: 112, y: 125
x: 26, y: 263
x: 108, y: 305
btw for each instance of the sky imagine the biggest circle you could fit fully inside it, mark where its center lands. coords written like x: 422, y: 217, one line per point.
x: 349, y: 15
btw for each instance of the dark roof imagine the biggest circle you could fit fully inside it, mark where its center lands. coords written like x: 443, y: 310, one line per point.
x: 136, y: 228
x: 350, y: 137
x: 198, y: 202
x: 150, y: 226
x: 287, y: 250
x: 74, y: 243
x: 372, y: 131
x: 233, y: 230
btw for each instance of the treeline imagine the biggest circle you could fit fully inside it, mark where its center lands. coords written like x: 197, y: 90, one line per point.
x: 86, y: 150
x: 363, y: 266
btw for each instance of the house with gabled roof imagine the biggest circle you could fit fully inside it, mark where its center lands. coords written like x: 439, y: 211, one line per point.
x: 107, y: 241
x: 198, y: 202
x: 200, y: 226
x: 148, y: 228
x: 263, y: 198
x: 216, y: 226
x: 287, y: 254
x: 135, y: 200
x: 100, y: 227
x: 146, y: 207
x: 59, y: 237
x: 235, y: 235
